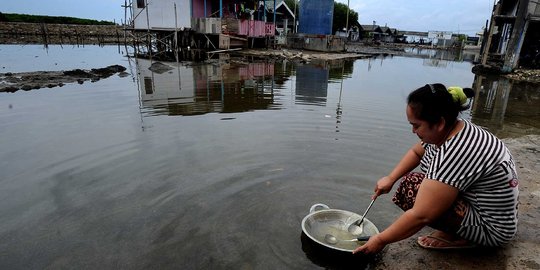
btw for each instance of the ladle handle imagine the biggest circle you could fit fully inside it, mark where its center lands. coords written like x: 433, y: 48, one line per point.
x: 357, y: 223
x: 363, y: 238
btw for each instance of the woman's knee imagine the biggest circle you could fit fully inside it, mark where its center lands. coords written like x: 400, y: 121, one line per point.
x: 405, y: 195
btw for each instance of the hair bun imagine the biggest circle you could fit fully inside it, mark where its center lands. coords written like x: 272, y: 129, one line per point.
x: 458, y: 95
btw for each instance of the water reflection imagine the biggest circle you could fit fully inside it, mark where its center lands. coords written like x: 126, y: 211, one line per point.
x: 198, y: 183
x: 505, y: 107
x: 312, y: 84
x: 232, y: 86
x: 441, y: 58
x: 178, y: 89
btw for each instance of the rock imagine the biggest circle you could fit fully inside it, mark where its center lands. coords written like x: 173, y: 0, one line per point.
x: 159, y: 68
x: 39, y: 79
x: 78, y: 73
x: 485, y: 69
x: 108, y: 71
x: 9, y: 89
x: 123, y: 74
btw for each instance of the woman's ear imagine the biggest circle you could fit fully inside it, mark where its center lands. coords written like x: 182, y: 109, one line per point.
x: 441, y: 124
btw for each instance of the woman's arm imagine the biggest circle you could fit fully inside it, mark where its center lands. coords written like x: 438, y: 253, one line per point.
x: 410, y: 160
x: 432, y: 200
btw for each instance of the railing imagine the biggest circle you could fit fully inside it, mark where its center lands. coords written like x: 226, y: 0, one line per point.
x: 248, y: 28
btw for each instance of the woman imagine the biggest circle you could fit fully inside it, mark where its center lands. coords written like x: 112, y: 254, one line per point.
x: 467, y: 190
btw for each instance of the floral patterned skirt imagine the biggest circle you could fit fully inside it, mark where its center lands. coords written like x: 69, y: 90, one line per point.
x: 405, y: 196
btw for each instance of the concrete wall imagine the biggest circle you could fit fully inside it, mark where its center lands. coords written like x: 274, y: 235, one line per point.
x: 321, y: 43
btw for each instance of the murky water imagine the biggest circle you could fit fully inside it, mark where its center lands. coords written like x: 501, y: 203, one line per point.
x: 209, y: 166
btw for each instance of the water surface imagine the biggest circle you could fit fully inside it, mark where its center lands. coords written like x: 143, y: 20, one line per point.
x: 210, y: 165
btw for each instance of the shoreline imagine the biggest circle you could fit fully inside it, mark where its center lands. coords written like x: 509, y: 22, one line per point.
x: 521, y: 253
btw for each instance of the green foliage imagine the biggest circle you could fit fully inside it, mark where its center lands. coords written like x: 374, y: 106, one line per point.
x: 8, y: 17
x: 340, y: 17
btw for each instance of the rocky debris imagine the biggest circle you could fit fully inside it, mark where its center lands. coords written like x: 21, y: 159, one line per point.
x: 518, y: 74
x: 295, y: 55
x: 486, y: 70
x: 381, y: 49
x: 299, y: 55
x: 525, y: 75
x: 11, y: 82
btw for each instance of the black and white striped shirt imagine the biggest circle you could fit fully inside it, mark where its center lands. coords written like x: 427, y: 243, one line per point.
x: 481, y: 167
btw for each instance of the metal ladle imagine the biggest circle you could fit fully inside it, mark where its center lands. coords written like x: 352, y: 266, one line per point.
x: 356, y: 227
x: 332, y: 240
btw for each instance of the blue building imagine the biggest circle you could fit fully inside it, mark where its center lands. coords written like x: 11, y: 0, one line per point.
x: 316, y: 17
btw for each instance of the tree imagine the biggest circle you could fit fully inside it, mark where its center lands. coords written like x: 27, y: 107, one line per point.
x: 339, y: 20
x: 290, y: 4
x: 340, y: 17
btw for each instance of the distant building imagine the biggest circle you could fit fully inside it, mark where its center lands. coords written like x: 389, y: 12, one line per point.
x: 370, y: 31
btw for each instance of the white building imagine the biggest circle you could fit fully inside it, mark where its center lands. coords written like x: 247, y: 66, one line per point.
x: 161, y: 15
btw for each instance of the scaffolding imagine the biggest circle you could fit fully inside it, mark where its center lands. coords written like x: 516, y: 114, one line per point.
x: 195, y: 36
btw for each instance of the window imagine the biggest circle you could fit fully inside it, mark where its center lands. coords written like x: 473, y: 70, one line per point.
x: 148, y: 86
x: 141, y: 3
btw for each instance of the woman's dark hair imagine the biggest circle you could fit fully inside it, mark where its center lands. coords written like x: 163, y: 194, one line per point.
x: 432, y: 101
x: 468, y: 92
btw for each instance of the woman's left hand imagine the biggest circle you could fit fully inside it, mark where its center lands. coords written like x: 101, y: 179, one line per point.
x: 372, y: 246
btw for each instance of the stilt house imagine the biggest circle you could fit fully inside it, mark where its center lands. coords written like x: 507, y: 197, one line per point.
x: 513, y: 36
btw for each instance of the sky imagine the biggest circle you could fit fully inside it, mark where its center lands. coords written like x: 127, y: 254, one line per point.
x: 457, y: 16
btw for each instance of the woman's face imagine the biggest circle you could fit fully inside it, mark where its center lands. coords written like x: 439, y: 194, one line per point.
x: 427, y: 133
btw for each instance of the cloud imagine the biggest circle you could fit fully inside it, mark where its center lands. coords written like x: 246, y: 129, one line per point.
x: 455, y: 15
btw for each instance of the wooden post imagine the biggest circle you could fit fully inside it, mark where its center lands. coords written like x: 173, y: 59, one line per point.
x: 149, y: 36
x: 175, y: 34
x: 490, y: 34
x: 61, y: 36
x: 44, y: 35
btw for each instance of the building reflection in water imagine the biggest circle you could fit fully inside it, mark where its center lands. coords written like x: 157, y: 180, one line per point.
x: 441, y: 58
x: 506, y: 108
x: 312, y: 84
x: 232, y: 86
x: 176, y: 89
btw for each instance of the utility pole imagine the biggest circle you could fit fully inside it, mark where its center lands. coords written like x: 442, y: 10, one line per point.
x: 294, y: 20
x: 347, y: 20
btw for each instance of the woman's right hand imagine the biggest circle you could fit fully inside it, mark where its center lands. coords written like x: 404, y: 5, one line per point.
x: 383, y: 186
